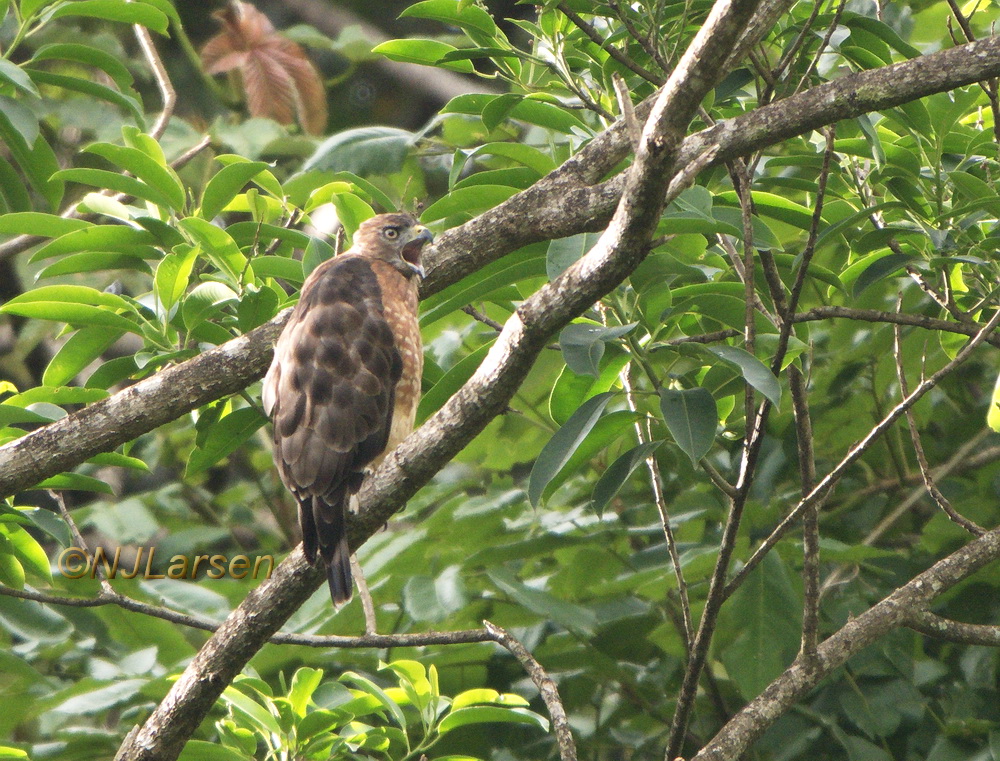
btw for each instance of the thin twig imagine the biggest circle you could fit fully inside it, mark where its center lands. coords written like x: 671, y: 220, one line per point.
x: 371, y: 627
x: 810, y: 518
x: 80, y: 541
x: 104, y: 598
x: 588, y: 29
x: 821, y: 490
x: 166, y: 87
x: 644, y: 434
x: 480, y: 317
x: 925, y: 472
x: 717, y: 478
x: 642, y: 39
x: 546, y: 687
x: 627, y: 109
x: 875, y: 315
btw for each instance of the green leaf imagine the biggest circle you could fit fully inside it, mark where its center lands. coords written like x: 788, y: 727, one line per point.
x: 317, y: 252
x: 224, y: 438
x: 220, y: 247
x: 364, y: 151
x: 450, y: 382
x: 12, y: 189
x: 172, y: 276
x: 467, y: 201
x: 38, y: 223
x: 755, y: 372
x: 425, y: 52
x: 769, y: 613
x: 882, y: 267
x: 20, y: 119
x: 258, y: 716
x: 557, y: 452
x: 92, y: 89
x: 614, y: 478
x: 351, y: 212
x: 91, y: 56
x: 28, y: 552
x: 38, y: 161
x: 529, y: 110
x: 491, y: 714
x: 494, y: 277
x: 13, y: 74
x: 202, y: 750
x: 144, y: 167
x: 255, y: 308
x: 75, y: 482
x: 116, y: 10
x: 573, y: 617
x: 94, y: 261
x: 529, y: 156
x: 368, y: 686
x: 469, y: 17
x: 993, y: 414
x: 564, y: 252
x: 120, y: 183
x: 119, y: 461
x: 582, y: 345
x: 774, y: 206
x: 226, y: 184
x: 692, y: 418
x: 571, y: 390
x: 11, y: 570
x: 10, y: 414
x: 305, y: 680
x: 82, y: 348
x: 72, y: 314
x: 117, y: 238
x: 279, y: 267
x: 57, y: 395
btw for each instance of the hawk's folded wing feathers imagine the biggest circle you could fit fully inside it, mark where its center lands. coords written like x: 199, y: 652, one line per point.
x: 345, y: 380
x: 330, y: 391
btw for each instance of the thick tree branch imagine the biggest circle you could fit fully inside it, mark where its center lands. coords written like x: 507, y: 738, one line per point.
x: 556, y: 206
x: 565, y: 202
x: 902, y: 608
x: 485, y: 395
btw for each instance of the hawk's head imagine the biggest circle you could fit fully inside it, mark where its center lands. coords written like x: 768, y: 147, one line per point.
x: 394, y: 238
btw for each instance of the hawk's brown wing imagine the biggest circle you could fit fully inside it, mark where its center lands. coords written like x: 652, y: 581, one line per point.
x: 330, y: 391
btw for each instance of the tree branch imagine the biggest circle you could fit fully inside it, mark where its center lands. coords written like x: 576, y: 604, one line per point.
x: 546, y: 688
x: 485, y: 395
x: 902, y: 608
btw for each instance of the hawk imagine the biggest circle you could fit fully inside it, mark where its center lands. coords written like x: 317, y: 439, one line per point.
x: 343, y: 387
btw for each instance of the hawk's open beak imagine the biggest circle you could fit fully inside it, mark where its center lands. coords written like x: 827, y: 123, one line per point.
x: 419, y: 236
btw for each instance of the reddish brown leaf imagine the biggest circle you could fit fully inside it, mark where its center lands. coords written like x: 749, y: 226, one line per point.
x: 279, y: 80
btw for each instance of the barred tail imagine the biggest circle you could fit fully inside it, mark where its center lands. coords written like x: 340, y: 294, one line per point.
x: 324, y: 533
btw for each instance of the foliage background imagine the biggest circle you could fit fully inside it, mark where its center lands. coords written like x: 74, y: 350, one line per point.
x: 558, y: 539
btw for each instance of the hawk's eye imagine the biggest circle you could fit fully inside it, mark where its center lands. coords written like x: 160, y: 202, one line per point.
x: 391, y: 232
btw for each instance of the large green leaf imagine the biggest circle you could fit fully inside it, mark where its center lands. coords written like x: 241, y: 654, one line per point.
x: 224, y: 438
x: 564, y: 443
x: 691, y: 417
